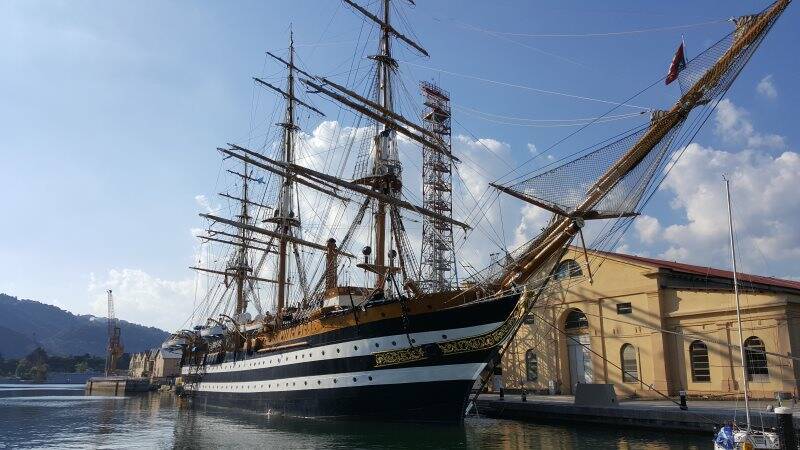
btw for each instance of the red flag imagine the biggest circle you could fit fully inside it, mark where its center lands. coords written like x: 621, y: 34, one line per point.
x: 678, y: 64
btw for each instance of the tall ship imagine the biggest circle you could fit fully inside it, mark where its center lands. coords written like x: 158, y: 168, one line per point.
x: 319, y: 304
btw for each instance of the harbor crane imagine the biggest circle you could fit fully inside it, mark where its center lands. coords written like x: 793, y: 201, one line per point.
x: 114, y: 351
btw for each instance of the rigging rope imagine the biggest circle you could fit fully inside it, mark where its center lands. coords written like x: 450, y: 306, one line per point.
x: 526, y: 88
x: 602, y: 34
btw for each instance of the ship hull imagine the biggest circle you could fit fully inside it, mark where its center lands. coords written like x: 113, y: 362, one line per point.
x: 423, y: 371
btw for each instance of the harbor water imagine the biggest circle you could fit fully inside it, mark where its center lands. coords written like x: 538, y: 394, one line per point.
x: 61, y: 416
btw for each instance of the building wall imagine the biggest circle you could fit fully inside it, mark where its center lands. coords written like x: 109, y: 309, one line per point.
x: 662, y: 357
x: 166, y: 367
x: 139, y: 366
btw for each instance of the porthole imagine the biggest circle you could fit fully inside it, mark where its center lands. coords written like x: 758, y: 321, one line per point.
x: 444, y: 336
x: 319, y: 381
x: 354, y: 379
x: 305, y: 383
x: 370, y: 378
x: 394, y: 343
x: 337, y: 350
x: 323, y: 352
x: 377, y: 345
x: 413, y: 341
x: 355, y: 347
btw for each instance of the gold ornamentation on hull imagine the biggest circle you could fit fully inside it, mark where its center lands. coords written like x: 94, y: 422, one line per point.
x: 465, y: 345
x: 394, y: 357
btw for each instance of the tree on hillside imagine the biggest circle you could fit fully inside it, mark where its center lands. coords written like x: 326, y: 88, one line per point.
x: 33, y: 367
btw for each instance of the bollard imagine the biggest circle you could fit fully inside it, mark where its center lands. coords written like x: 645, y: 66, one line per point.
x: 524, y: 395
x: 785, y: 428
x: 683, y: 400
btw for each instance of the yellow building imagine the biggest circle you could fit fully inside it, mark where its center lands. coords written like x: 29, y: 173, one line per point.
x: 157, y: 364
x: 670, y: 326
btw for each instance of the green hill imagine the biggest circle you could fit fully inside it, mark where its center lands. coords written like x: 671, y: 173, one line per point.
x: 26, y: 323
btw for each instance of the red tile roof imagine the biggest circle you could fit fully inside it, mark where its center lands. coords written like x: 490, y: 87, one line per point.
x: 705, y: 271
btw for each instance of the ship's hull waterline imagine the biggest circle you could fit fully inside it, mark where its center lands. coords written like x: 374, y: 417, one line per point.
x: 384, y: 371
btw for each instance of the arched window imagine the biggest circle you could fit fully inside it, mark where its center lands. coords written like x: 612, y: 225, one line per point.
x: 756, y: 359
x: 531, y: 365
x: 630, y: 370
x: 575, y: 319
x: 698, y: 360
x: 568, y: 268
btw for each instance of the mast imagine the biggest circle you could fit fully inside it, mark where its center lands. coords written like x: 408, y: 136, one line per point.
x: 241, y: 260
x: 285, y: 214
x: 738, y: 307
x: 384, y: 145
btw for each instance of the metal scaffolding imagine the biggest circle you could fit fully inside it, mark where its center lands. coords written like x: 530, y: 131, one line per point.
x: 438, y: 270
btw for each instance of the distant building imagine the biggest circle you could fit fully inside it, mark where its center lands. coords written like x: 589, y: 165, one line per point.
x: 141, y: 365
x: 166, y: 365
x: 669, y: 325
x: 156, y: 364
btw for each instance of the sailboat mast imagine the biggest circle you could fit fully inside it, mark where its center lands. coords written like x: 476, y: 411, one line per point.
x: 738, y: 307
x: 285, y: 208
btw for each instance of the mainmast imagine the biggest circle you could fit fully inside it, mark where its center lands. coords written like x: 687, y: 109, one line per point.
x: 285, y: 218
x: 385, y: 178
x: 386, y: 172
x: 285, y: 215
x: 242, y: 267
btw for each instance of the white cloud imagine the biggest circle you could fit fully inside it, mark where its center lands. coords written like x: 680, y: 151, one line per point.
x: 203, y: 202
x: 734, y: 127
x: 767, y: 88
x: 766, y: 207
x: 142, y: 298
x: 532, y: 221
x: 648, y: 228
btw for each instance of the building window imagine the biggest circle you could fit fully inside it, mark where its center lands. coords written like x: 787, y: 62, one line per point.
x: 531, y: 365
x: 575, y: 319
x: 698, y: 359
x: 630, y: 370
x: 568, y: 268
x: 624, y: 308
x: 756, y: 359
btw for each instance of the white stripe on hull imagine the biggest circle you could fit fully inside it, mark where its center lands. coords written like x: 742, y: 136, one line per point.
x: 358, y: 347
x: 449, y: 372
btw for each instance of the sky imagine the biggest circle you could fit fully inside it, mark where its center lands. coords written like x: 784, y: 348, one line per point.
x: 111, y: 113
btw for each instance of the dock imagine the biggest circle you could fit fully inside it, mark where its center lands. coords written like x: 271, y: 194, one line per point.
x: 702, y: 415
x: 117, y: 386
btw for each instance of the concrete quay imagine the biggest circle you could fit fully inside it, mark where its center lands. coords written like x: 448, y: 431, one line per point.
x: 702, y: 415
x: 116, y: 386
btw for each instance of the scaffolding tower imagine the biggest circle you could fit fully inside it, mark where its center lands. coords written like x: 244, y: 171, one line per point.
x: 438, y: 269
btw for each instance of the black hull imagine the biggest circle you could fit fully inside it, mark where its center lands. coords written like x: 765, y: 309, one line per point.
x: 440, y: 402
x: 346, y: 374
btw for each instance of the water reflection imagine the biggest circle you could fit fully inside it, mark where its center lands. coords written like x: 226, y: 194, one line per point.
x: 64, y: 418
